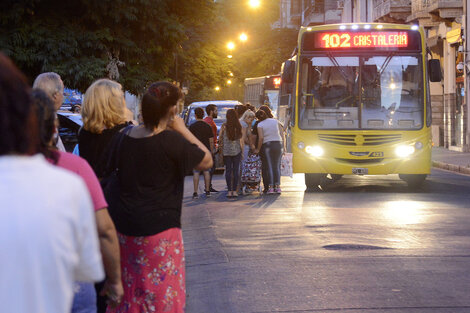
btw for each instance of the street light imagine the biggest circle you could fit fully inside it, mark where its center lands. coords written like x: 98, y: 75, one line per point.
x: 217, y: 88
x: 243, y: 37
x: 230, y: 45
x: 229, y: 56
x: 229, y: 82
x: 254, y: 3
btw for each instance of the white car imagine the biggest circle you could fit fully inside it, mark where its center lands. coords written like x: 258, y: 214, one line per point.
x: 222, y: 107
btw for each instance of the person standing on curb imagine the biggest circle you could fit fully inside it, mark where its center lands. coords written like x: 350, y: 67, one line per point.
x: 270, y: 144
x: 85, y: 296
x: 231, y: 144
x: 212, y: 112
x: 47, y: 229
x: 204, y: 133
x: 153, y: 160
x: 52, y: 85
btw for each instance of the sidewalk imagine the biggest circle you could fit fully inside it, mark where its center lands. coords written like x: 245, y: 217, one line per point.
x: 451, y: 160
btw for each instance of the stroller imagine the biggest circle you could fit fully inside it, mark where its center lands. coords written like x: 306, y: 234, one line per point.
x: 251, y: 174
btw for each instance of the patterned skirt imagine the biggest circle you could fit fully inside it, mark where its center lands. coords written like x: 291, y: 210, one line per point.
x: 153, y: 273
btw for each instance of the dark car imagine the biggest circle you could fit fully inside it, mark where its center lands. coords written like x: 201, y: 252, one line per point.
x: 69, y: 125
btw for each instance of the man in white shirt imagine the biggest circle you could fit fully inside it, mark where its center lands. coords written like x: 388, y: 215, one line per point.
x: 47, y: 229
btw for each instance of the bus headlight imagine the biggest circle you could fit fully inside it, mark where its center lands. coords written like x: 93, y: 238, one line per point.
x: 315, y: 151
x: 404, y: 151
x: 419, y: 145
x: 300, y: 145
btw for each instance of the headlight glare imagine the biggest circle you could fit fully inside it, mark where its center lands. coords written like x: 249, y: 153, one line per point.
x: 315, y: 151
x: 301, y: 145
x: 404, y: 151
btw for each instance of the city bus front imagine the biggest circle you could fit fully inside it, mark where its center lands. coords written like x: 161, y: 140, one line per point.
x: 361, y: 105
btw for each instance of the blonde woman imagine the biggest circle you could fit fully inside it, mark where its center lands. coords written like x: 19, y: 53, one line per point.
x: 104, y: 114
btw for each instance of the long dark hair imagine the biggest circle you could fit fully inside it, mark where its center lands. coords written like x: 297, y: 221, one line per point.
x: 233, y: 126
x: 46, y: 117
x: 266, y: 110
x: 18, y: 124
x: 156, y: 102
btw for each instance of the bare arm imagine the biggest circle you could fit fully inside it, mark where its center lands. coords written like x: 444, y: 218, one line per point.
x: 211, y: 145
x: 283, y: 136
x: 260, y: 139
x: 110, y: 251
x: 178, y: 125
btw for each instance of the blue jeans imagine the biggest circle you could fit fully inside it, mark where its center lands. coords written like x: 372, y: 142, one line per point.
x: 271, y: 154
x: 232, y: 169
x: 84, y: 300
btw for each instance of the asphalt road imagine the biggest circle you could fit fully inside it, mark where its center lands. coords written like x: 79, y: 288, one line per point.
x: 363, y: 244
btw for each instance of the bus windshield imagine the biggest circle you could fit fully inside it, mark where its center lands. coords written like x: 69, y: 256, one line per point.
x: 361, y: 92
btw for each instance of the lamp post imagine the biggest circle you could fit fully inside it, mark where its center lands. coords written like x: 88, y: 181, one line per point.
x: 254, y: 3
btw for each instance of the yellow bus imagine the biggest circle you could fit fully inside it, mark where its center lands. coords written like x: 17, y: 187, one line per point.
x: 355, y: 100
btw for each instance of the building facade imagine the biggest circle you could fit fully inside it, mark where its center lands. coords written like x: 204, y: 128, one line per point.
x: 445, y: 23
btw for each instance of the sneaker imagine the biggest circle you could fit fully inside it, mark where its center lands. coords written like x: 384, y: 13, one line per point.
x: 213, y: 190
x: 208, y: 193
x: 195, y: 196
x: 270, y: 191
x: 277, y: 190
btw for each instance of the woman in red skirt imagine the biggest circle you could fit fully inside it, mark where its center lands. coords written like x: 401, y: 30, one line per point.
x: 153, y: 159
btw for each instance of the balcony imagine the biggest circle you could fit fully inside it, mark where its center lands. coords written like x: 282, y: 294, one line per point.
x: 445, y: 9
x: 420, y: 14
x: 391, y: 10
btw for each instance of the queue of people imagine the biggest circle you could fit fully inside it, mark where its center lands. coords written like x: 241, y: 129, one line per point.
x: 55, y: 224
x: 63, y: 234
x: 240, y: 137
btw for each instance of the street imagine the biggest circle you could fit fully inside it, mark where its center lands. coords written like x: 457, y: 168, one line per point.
x: 363, y: 244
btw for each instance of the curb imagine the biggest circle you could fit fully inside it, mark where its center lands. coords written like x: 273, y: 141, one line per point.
x: 451, y: 167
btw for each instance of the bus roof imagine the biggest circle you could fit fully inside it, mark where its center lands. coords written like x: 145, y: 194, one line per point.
x: 350, y: 26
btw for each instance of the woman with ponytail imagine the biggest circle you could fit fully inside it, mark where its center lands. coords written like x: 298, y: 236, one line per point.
x: 153, y: 159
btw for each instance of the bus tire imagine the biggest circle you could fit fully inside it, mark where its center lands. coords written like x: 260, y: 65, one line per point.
x: 313, y: 180
x: 413, y: 180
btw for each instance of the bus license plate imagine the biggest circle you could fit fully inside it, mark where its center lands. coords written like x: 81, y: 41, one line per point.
x: 360, y: 171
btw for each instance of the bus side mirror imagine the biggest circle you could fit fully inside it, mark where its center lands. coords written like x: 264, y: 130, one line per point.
x: 288, y: 71
x: 434, y: 67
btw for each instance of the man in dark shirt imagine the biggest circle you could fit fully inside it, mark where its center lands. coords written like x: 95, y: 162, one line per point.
x: 204, y: 133
x: 212, y: 112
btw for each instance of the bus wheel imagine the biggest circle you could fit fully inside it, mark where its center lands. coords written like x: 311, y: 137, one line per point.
x: 413, y: 180
x: 313, y: 180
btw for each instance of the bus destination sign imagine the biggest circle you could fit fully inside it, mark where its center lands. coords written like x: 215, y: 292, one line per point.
x: 338, y: 40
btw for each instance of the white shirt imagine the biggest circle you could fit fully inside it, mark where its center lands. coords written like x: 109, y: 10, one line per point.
x: 270, y: 127
x: 48, y: 236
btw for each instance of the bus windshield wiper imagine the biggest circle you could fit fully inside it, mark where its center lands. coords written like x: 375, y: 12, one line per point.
x: 383, y: 67
x: 341, y: 70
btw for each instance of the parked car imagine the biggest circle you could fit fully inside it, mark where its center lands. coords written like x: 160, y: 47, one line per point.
x: 69, y: 125
x: 222, y: 107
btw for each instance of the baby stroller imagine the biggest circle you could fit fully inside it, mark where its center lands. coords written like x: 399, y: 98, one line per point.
x: 251, y: 174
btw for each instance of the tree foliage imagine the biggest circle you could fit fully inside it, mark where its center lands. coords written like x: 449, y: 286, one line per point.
x: 144, y: 41
x: 80, y: 38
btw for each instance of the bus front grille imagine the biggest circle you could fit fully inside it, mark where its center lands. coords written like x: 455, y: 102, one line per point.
x: 345, y: 140
x: 360, y: 161
x: 359, y: 140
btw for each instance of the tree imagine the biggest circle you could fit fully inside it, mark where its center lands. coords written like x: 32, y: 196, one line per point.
x: 83, y: 40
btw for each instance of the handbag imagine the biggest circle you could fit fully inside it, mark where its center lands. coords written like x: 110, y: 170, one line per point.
x: 111, y: 184
x: 286, y: 165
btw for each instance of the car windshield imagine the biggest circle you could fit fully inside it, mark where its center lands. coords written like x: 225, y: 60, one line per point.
x: 221, y: 115
x: 358, y: 92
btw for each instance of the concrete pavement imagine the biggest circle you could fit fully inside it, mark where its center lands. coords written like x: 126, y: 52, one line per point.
x: 451, y: 160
